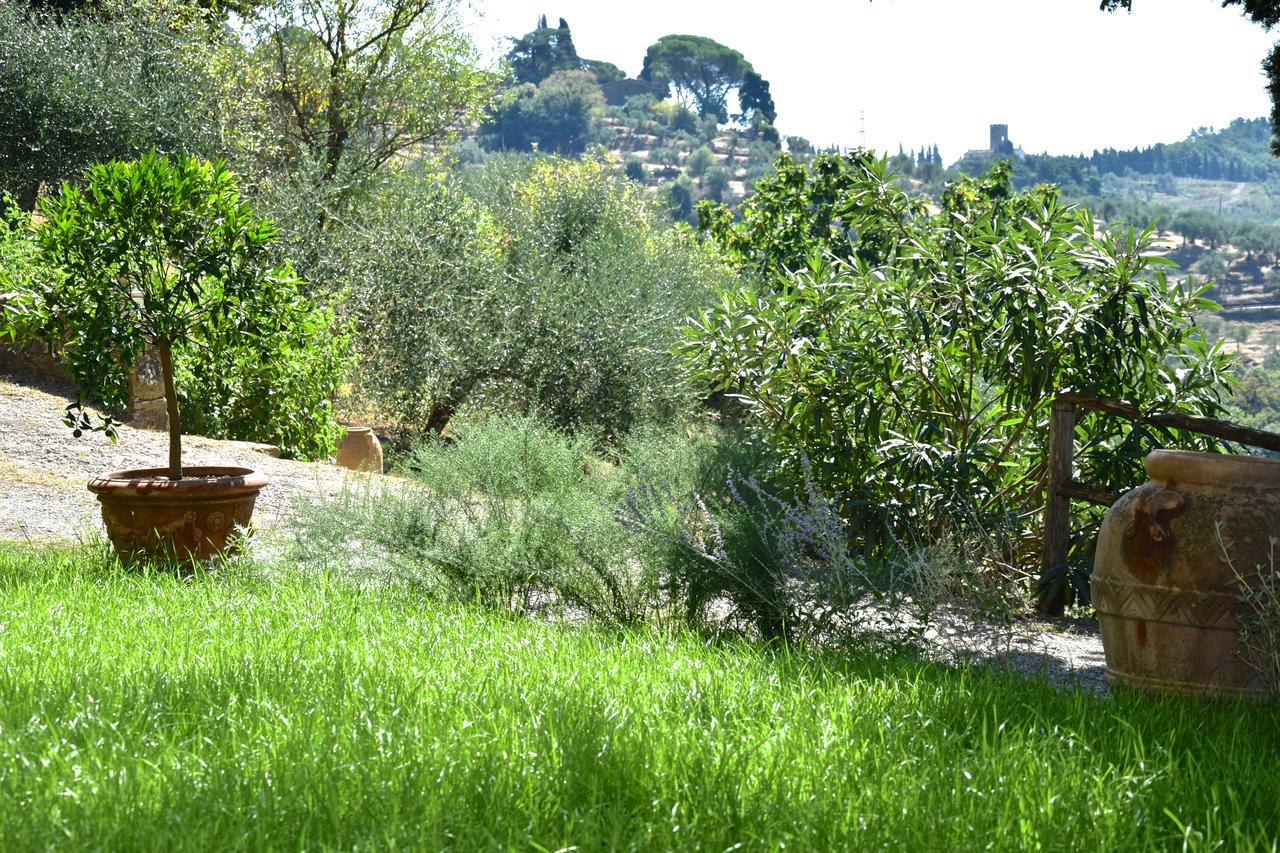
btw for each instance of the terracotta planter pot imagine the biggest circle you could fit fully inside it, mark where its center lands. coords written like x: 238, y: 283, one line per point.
x: 147, y: 515
x: 1164, y: 576
x: 360, y: 450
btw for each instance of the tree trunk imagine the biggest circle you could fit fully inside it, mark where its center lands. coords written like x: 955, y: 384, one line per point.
x: 165, y: 348
x: 338, y: 131
x: 29, y: 195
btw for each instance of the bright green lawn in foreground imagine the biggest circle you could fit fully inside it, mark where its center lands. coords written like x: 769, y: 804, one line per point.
x: 145, y: 712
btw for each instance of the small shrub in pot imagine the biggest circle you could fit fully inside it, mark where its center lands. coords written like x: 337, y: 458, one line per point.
x: 163, y: 254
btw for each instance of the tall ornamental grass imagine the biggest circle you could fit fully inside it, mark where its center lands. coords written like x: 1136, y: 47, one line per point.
x: 673, y: 527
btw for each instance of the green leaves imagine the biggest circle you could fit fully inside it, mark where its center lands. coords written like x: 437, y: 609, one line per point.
x: 359, y: 83
x: 157, y: 245
x: 915, y: 365
x: 551, y: 286
x: 80, y: 89
x: 837, y: 205
x: 267, y: 368
x: 164, y: 252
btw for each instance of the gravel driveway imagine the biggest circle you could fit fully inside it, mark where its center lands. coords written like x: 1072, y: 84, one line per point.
x: 44, y: 470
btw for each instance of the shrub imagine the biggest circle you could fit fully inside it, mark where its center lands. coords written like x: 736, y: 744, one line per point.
x: 1259, y: 619
x: 717, y: 181
x: 182, y: 270
x: 467, y: 152
x: 916, y: 368
x: 664, y: 157
x: 684, y: 120
x: 633, y: 168
x: 699, y: 161
x: 1256, y: 401
x: 423, y: 264
x: 607, y: 283
x: 88, y: 88
x: 735, y: 549
x: 274, y: 386
x: 1211, y: 265
x: 680, y: 199
x: 513, y: 514
x: 494, y: 186
x: 564, y: 297
x: 19, y: 265
x: 674, y: 527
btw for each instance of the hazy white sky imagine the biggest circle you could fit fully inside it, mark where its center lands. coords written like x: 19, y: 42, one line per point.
x: 1064, y: 76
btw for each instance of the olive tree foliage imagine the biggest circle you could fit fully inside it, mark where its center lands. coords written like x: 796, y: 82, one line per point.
x: 221, y: 7
x: 359, y: 83
x: 551, y: 286
x: 79, y: 89
x: 909, y: 359
x: 424, y: 258
x: 699, y: 161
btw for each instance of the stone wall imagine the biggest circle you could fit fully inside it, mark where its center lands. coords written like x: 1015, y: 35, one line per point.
x: 146, y: 391
x: 146, y: 386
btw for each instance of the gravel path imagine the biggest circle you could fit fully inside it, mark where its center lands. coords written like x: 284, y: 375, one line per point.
x: 44, y: 470
x: 1067, y: 652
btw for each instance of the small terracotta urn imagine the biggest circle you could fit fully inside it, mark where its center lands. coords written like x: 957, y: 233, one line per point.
x: 360, y: 450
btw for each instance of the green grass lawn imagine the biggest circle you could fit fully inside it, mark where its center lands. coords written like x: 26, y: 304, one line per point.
x: 145, y: 712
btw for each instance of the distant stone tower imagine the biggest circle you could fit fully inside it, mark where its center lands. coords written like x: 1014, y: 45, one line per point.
x: 999, y: 138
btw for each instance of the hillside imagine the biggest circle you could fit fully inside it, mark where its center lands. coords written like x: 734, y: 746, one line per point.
x: 697, y: 124
x: 1216, y: 195
x: 1237, y: 154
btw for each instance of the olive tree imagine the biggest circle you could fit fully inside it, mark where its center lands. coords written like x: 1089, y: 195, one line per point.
x: 81, y: 89
x: 359, y: 83
x: 548, y: 285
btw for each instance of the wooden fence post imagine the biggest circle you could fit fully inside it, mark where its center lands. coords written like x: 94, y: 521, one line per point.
x: 1057, y: 506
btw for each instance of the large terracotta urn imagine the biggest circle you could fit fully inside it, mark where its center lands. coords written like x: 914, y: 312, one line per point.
x: 149, y: 516
x: 1165, y: 575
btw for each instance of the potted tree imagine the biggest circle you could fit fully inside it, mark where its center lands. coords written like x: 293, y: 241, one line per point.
x: 155, y: 254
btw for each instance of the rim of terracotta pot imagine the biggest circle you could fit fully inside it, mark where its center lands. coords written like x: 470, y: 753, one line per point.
x: 1224, y: 470
x: 198, y: 480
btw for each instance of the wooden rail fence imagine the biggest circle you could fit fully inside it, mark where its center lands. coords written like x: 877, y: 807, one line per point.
x: 1063, y: 488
